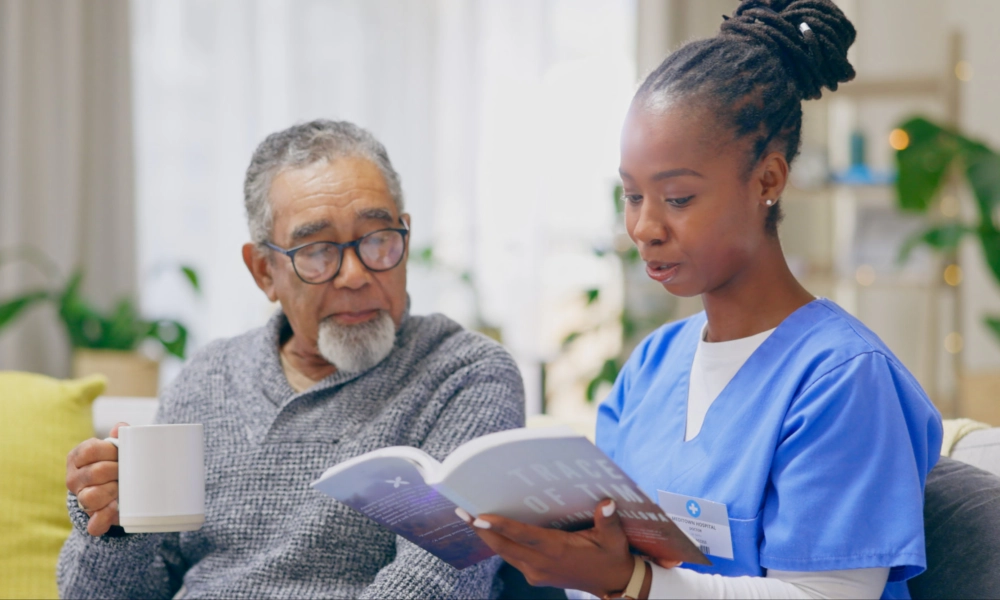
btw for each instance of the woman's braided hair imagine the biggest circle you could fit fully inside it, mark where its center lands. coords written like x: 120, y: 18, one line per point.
x: 768, y: 57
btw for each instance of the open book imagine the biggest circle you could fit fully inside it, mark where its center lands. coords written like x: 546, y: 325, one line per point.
x: 547, y: 477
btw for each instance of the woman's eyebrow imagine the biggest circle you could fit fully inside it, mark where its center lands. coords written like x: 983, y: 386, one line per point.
x: 676, y: 173
x: 666, y: 174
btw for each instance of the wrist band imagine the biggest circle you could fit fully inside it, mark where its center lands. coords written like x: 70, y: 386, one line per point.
x: 638, y: 575
x: 634, y: 587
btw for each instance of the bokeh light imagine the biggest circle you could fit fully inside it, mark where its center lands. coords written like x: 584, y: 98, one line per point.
x: 953, y: 275
x: 953, y: 342
x: 899, y: 139
x: 963, y: 70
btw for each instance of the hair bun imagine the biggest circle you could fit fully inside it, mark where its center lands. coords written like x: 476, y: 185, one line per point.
x: 810, y: 36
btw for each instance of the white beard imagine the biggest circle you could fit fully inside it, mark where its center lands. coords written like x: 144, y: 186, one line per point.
x: 356, y: 348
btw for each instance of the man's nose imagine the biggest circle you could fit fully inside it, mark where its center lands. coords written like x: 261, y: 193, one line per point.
x: 353, y: 273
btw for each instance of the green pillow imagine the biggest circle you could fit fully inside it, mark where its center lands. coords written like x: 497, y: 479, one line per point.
x: 41, y: 420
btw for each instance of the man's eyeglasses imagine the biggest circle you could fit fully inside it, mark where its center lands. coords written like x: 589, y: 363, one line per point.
x: 319, y: 262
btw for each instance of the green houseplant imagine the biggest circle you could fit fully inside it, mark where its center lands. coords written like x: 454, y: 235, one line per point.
x: 930, y: 155
x: 87, y: 327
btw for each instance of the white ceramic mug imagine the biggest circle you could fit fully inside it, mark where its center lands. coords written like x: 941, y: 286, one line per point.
x: 161, y: 477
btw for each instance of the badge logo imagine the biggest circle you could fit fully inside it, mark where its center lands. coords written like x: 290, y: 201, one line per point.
x: 693, y: 509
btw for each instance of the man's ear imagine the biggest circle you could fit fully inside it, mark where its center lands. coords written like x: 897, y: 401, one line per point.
x: 771, y: 177
x: 259, y: 265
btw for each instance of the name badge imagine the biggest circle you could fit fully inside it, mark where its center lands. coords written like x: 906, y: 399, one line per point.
x: 704, y: 521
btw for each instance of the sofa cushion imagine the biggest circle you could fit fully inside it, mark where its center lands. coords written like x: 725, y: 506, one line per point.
x: 980, y: 449
x: 41, y: 420
x: 962, y: 528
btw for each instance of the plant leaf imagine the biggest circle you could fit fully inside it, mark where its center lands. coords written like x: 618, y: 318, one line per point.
x: 570, y: 338
x: 923, y: 163
x: 192, y: 277
x: 617, y: 195
x: 172, y: 335
x: 629, y: 326
x: 592, y: 388
x: 423, y: 256
x: 124, y: 329
x: 71, y: 292
x: 32, y: 256
x: 592, y: 296
x: 983, y: 172
x: 12, y: 308
x: 993, y: 323
x: 84, y: 325
x: 609, y: 373
x: 942, y: 238
x: 989, y: 237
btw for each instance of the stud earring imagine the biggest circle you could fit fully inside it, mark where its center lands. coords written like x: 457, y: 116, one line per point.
x: 769, y: 202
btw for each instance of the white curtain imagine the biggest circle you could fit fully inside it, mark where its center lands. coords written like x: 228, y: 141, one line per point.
x: 66, y: 168
x: 502, y: 117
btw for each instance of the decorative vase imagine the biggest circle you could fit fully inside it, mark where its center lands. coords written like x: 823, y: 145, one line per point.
x: 128, y: 373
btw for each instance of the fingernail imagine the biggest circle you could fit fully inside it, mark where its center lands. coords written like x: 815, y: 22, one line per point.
x: 609, y: 509
x: 463, y: 515
x: 481, y: 524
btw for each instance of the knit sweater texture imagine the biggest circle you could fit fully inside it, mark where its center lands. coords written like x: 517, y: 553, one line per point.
x: 267, y: 534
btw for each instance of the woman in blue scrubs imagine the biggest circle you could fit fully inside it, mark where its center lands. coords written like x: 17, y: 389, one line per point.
x: 772, y: 413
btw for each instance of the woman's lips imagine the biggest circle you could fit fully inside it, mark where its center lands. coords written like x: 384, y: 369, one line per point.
x: 662, y: 272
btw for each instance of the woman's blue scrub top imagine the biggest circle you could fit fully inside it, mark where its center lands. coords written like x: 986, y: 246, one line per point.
x: 819, y: 446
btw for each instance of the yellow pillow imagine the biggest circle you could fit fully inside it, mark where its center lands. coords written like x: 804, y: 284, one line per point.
x: 41, y: 420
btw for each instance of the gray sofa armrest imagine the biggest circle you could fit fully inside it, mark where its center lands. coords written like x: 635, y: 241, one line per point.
x: 980, y: 449
x: 962, y: 529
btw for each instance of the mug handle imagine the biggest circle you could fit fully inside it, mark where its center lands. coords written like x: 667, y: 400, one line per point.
x: 113, y: 441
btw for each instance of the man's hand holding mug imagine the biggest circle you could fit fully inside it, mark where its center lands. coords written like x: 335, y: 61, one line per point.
x: 92, y: 476
x: 147, y: 479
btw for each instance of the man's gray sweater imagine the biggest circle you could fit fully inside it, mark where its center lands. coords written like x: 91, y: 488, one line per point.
x: 267, y: 533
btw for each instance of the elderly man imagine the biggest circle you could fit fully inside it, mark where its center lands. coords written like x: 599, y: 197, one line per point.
x: 341, y: 370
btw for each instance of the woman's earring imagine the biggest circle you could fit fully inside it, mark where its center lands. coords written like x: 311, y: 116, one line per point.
x: 769, y: 202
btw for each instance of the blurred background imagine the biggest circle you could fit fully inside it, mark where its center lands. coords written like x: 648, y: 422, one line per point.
x: 126, y: 127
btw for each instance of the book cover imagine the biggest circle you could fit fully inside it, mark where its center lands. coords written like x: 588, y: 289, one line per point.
x: 392, y: 492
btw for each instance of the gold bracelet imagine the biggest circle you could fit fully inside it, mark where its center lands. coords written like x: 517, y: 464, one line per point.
x: 634, y: 587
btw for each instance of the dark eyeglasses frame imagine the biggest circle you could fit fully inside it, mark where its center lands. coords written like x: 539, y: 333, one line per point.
x: 290, y: 253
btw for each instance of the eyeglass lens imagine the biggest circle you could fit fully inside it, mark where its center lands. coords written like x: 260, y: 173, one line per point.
x: 378, y: 251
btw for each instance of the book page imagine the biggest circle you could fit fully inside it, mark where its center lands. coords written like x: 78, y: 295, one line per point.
x: 486, y: 442
x: 557, y: 482
x: 391, y: 491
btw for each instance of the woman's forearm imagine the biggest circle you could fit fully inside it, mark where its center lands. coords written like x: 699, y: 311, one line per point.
x: 685, y: 583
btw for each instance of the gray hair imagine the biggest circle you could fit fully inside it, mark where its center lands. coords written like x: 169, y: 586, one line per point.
x: 303, y: 145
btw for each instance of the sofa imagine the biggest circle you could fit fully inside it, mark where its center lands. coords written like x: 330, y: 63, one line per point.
x: 962, y: 510
x: 963, y: 555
